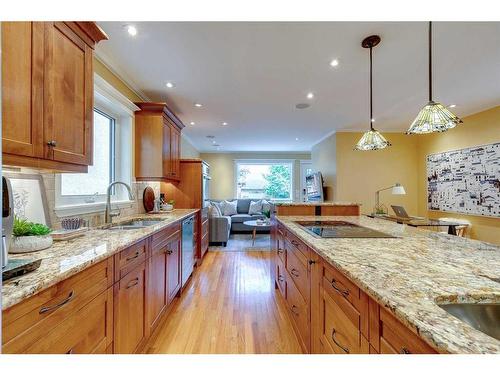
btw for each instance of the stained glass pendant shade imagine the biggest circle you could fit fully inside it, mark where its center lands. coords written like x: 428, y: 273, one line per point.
x: 434, y: 117
x: 372, y: 139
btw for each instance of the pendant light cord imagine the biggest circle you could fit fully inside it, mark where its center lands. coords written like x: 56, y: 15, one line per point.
x: 371, y: 89
x: 430, y: 61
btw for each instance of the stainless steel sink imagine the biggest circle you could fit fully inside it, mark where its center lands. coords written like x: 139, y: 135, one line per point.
x: 483, y: 317
x: 134, y: 224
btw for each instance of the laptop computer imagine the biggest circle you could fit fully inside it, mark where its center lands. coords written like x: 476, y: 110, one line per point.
x: 402, y: 214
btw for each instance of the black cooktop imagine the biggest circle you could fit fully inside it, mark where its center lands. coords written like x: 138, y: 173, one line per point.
x: 340, y: 229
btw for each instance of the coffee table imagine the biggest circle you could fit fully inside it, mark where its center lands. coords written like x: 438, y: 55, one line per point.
x: 255, y: 225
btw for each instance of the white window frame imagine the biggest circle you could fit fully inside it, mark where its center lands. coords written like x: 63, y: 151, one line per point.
x: 113, y: 103
x: 290, y: 162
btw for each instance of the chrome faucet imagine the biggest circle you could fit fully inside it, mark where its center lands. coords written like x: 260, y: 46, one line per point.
x: 109, y: 215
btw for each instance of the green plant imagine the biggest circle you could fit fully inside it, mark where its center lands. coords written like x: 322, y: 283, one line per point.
x: 171, y: 201
x: 23, y: 227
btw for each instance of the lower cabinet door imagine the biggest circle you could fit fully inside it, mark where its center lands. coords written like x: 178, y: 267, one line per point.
x: 173, y: 267
x: 130, y: 317
x: 157, y: 285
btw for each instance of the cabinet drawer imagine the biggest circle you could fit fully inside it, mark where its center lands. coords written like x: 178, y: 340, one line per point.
x: 86, y: 331
x: 296, y: 265
x: 396, y: 338
x: 128, y: 259
x: 204, y: 227
x: 159, y: 239
x: 340, y: 326
x: 29, y: 321
x: 299, y: 310
x: 298, y: 244
x: 280, y: 247
x: 281, y: 277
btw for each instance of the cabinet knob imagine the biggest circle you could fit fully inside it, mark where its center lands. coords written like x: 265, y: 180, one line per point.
x: 52, y: 143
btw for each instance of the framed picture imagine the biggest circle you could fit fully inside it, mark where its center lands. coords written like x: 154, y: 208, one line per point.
x: 30, y: 200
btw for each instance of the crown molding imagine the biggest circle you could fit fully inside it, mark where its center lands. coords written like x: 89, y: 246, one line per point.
x: 107, y: 61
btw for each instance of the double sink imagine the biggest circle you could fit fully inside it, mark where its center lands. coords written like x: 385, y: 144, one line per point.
x: 133, y: 224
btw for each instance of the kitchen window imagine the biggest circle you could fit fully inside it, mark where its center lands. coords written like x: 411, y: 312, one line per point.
x: 78, y: 193
x: 264, y: 179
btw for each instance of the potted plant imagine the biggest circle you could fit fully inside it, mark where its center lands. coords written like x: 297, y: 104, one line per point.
x: 28, y: 237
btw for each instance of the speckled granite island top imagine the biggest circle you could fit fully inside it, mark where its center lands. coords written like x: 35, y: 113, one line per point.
x: 412, y: 273
x: 316, y: 204
x: 66, y: 258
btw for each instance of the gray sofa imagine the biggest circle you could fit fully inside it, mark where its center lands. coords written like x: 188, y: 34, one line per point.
x: 221, y: 227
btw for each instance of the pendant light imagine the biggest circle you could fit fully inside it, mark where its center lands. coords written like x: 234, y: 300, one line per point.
x: 372, y: 139
x: 434, y: 117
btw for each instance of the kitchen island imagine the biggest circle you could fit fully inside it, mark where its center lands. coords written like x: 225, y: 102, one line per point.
x: 406, y: 276
x: 317, y: 208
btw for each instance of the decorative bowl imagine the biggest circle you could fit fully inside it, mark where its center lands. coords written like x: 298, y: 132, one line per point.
x: 28, y: 244
x: 71, y: 223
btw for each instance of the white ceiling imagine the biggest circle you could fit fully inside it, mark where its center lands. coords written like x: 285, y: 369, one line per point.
x: 252, y: 74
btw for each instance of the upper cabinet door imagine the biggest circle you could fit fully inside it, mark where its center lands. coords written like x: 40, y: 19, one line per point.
x: 166, y: 151
x: 175, y: 149
x: 68, y: 96
x: 22, y: 93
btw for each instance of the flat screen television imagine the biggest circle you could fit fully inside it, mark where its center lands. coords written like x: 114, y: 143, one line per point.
x: 314, y: 187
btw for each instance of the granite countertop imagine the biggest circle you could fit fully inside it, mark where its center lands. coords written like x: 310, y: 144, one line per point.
x: 316, y: 204
x: 66, y: 258
x: 412, y: 273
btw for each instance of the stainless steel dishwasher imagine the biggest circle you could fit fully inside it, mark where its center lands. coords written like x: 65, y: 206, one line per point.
x: 187, y: 248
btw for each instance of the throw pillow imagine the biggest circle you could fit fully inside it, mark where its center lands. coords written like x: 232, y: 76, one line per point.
x: 266, y: 206
x: 229, y: 208
x: 214, y: 210
x: 255, y: 208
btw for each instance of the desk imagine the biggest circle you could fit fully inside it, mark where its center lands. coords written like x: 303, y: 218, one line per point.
x: 452, y: 226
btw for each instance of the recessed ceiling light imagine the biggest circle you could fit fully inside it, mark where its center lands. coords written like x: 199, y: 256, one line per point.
x: 373, y: 120
x: 192, y: 123
x: 131, y: 30
x: 199, y: 105
x: 170, y: 85
x: 334, y: 62
x: 310, y: 95
x: 224, y: 123
x: 214, y: 142
x: 452, y: 105
x: 296, y: 139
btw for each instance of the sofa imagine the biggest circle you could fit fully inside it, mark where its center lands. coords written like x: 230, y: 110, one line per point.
x: 222, y: 226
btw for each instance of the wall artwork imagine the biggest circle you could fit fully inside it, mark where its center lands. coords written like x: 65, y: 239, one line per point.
x: 29, y: 198
x: 465, y: 181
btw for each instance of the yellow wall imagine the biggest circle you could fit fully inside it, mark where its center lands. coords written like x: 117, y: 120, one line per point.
x: 361, y: 173
x: 324, y: 160
x: 478, y: 129
x: 114, y: 81
x: 222, y: 169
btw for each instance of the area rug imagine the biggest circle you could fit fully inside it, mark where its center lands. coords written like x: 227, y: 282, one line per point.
x: 243, y: 242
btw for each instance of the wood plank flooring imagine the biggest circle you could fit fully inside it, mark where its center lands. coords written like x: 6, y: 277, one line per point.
x: 229, y: 307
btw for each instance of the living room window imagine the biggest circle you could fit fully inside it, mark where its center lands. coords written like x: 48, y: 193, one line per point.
x: 264, y: 179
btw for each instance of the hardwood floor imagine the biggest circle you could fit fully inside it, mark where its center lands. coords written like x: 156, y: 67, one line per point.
x: 229, y: 307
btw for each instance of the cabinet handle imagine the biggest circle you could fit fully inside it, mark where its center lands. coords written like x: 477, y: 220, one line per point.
x: 70, y: 351
x: 344, y: 292
x: 169, y: 252
x: 132, y: 283
x: 295, y: 243
x: 280, y: 251
x: 311, y: 262
x: 293, y: 310
x: 294, y: 272
x: 404, y: 350
x: 337, y: 343
x: 136, y: 255
x: 281, y: 278
x: 43, y: 310
x: 52, y: 143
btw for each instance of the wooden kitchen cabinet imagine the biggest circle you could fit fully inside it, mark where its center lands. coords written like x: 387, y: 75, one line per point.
x: 47, y: 89
x: 174, y: 269
x: 130, y: 311
x: 157, y: 143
